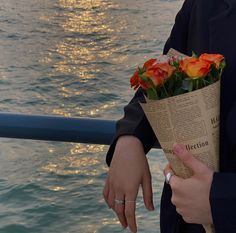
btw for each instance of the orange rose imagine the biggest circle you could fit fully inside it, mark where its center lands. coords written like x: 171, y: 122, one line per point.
x: 156, y: 75
x: 149, y: 63
x: 134, y: 80
x: 195, y: 68
x: 184, y: 63
x: 168, y: 68
x: 159, y: 72
x: 212, y: 58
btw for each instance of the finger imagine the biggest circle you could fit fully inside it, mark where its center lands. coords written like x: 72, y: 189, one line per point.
x: 169, y: 174
x: 106, y: 190
x: 147, y: 191
x: 120, y: 210
x: 111, y: 198
x: 188, y: 160
x: 167, y: 169
x: 130, y: 206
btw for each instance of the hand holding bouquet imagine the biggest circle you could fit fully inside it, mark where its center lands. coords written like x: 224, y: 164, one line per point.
x: 182, y: 105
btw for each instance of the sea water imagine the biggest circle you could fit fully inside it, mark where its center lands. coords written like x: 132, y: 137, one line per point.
x: 72, y: 58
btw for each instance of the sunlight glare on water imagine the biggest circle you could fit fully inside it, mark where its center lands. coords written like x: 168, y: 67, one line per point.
x: 72, y: 58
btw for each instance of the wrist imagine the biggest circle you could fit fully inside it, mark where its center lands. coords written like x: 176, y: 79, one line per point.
x: 129, y: 147
x: 129, y: 140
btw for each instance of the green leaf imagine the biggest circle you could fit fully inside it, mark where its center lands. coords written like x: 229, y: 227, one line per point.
x: 147, y: 80
x: 144, y: 78
x: 197, y: 84
x: 152, y: 94
x: 187, y: 85
x: 179, y: 91
x: 194, y: 54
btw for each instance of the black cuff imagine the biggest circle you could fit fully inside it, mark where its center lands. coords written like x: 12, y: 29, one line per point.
x: 223, y: 202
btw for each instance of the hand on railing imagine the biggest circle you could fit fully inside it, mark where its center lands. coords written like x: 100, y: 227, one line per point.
x: 129, y: 169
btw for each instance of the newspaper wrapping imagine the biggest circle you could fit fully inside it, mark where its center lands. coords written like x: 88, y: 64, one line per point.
x: 191, y: 119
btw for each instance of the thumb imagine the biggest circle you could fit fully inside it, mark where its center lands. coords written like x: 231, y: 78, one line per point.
x: 147, y: 192
x: 187, y: 158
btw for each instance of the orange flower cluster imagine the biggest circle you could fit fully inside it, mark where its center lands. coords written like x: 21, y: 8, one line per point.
x: 177, y: 76
x: 153, y: 74
x: 200, y: 67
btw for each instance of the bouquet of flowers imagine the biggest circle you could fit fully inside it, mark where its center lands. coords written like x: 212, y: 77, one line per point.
x: 170, y: 76
x: 182, y: 105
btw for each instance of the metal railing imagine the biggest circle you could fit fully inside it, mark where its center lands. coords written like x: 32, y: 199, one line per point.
x: 56, y: 128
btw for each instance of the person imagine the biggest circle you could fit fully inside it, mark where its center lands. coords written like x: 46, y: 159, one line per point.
x: 206, y: 197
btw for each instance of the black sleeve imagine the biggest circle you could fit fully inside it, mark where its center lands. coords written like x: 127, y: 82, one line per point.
x: 134, y: 121
x: 178, y: 38
x: 223, y: 204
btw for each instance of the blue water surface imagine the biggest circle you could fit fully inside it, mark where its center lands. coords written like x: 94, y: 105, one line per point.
x: 72, y: 58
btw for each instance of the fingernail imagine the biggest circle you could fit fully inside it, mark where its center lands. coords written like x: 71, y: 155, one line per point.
x: 178, y: 149
x: 151, y: 208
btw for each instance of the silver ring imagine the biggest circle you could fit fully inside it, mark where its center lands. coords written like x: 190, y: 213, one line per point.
x: 168, y: 177
x: 130, y: 201
x: 119, y: 202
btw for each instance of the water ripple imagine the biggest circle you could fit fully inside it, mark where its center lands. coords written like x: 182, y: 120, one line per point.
x: 71, y: 58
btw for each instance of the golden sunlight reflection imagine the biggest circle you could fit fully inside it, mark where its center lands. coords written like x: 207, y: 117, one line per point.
x: 106, y: 221
x: 82, y: 148
x: 81, y: 162
x: 60, y: 169
x: 95, y: 35
x: 76, y: 56
x: 82, y: 23
x: 84, y: 4
x: 77, y: 163
x: 81, y: 112
x: 57, y: 188
x: 67, y: 92
x: 87, y: 47
x: 61, y: 112
x: 72, y: 50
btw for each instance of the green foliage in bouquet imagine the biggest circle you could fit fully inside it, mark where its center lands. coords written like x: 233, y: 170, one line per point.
x: 176, y: 76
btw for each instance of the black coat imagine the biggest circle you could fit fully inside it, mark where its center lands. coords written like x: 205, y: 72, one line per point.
x: 200, y: 26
